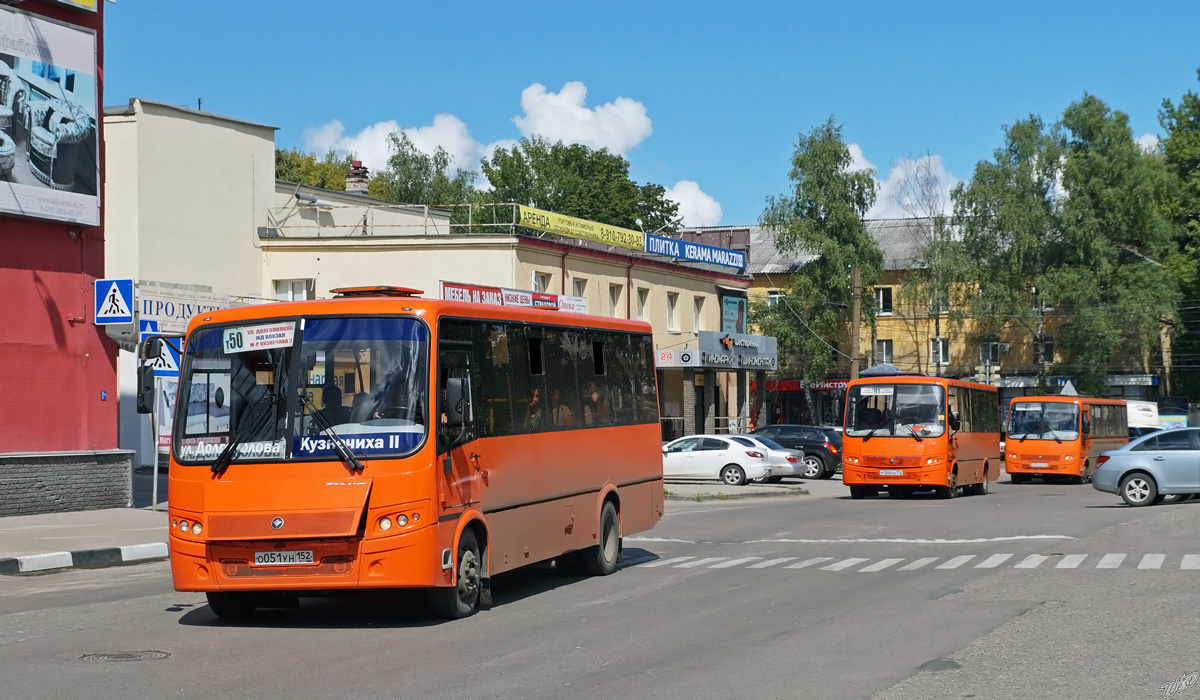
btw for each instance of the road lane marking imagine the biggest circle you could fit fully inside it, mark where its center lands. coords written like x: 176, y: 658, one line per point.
x: 993, y: 561
x: 771, y: 562
x: 700, y: 562
x: 809, y: 562
x: 1110, y: 561
x: 843, y: 564
x: 1031, y: 561
x: 923, y: 561
x: 1190, y: 561
x: 1152, y: 561
x: 664, y: 562
x: 955, y: 562
x: 734, y: 562
x: 903, y: 540
x: 1071, y: 561
x: 881, y: 565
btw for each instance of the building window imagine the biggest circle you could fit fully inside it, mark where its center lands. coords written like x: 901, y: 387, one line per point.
x: 698, y: 315
x: 541, y: 282
x: 939, y: 351
x: 774, y: 298
x: 672, y: 302
x: 1043, y: 350
x: 295, y: 290
x: 579, y: 287
x: 614, y: 299
x: 643, y: 294
x: 989, y: 353
x: 883, y: 300
x: 883, y: 352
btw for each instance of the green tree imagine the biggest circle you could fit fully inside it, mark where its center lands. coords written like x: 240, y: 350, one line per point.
x: 304, y: 168
x: 1180, y: 207
x: 574, y: 180
x: 821, y: 216
x: 412, y: 176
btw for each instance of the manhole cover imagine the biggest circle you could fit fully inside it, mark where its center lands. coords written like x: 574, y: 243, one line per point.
x: 125, y: 656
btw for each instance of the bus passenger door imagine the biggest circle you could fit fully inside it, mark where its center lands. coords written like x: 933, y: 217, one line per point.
x: 461, y: 467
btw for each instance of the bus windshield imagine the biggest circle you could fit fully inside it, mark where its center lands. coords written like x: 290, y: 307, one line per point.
x: 255, y: 385
x: 898, y: 410
x: 1039, y: 420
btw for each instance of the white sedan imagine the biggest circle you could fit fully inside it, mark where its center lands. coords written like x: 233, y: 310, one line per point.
x: 715, y: 457
x: 784, y: 461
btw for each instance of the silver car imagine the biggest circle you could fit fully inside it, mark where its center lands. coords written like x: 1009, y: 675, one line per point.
x: 784, y: 461
x: 1152, y: 468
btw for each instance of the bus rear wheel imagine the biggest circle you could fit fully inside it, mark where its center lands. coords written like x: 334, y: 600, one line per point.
x: 980, y: 489
x: 462, y: 599
x: 601, y: 559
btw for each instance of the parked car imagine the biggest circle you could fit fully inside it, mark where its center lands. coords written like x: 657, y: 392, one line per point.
x: 784, y: 461
x: 715, y: 457
x: 822, y: 446
x: 1149, y: 469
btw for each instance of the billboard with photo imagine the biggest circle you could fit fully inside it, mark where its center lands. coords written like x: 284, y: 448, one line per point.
x: 49, y: 107
x: 733, y: 314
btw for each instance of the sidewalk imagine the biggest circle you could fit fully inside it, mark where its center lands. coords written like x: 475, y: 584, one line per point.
x: 681, y: 490
x: 86, y: 539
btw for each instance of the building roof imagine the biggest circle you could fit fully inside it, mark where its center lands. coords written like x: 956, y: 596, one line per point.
x: 129, y: 110
x: 900, y: 240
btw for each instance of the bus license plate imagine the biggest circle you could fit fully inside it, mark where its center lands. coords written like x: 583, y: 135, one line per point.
x: 283, y: 558
x: 891, y: 472
x: 1039, y: 465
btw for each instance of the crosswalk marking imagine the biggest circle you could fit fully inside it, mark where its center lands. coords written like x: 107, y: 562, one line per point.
x: 923, y: 561
x: 771, y: 562
x: 1152, y: 561
x: 955, y: 562
x: 809, y: 562
x: 734, y: 562
x: 1110, y: 561
x: 700, y: 562
x: 1031, y: 561
x: 1071, y: 561
x: 843, y: 564
x: 993, y: 561
x: 1190, y: 561
x: 663, y: 562
x: 881, y: 565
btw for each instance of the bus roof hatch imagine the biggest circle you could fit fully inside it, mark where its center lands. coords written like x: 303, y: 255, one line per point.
x: 377, y: 291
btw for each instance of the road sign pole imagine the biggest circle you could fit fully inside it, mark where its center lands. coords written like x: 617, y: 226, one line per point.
x: 154, y: 451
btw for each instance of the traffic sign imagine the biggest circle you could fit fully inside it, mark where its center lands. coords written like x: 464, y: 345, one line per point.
x: 114, y: 302
x: 167, y: 362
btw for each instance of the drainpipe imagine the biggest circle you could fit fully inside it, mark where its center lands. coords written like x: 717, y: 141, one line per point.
x: 563, y: 268
x: 629, y: 290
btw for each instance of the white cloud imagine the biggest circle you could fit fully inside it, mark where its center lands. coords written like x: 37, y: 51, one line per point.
x: 371, y: 144
x: 1148, y: 142
x: 857, y: 160
x: 695, y: 206
x: 911, y: 188
x: 618, y: 125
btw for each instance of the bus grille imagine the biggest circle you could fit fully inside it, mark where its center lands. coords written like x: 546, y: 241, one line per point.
x: 233, y: 568
x: 891, y: 461
x: 241, y: 526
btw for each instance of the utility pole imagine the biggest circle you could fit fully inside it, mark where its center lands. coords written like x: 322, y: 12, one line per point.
x: 855, y: 318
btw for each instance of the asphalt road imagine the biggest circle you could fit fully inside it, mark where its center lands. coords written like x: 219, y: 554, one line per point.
x: 1018, y: 594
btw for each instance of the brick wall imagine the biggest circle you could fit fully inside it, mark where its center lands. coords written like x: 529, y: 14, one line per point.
x: 56, y: 482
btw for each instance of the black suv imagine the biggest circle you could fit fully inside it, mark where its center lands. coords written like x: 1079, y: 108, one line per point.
x: 822, y: 446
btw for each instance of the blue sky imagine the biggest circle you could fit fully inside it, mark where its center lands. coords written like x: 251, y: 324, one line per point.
x: 704, y: 98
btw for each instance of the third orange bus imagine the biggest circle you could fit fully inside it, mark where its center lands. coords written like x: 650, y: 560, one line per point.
x: 1060, y: 436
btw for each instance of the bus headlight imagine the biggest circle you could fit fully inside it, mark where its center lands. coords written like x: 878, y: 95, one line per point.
x: 385, y: 524
x: 197, y: 528
x: 402, y: 520
x: 183, y: 526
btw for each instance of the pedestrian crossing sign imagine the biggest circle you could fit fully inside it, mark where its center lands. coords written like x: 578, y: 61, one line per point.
x: 114, y: 302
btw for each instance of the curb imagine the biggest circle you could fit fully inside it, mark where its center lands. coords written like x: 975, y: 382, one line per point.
x: 83, y: 558
x: 736, y: 497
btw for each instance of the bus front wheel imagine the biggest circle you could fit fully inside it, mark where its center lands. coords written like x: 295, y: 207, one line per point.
x: 232, y: 605
x: 462, y: 600
x: 949, y: 491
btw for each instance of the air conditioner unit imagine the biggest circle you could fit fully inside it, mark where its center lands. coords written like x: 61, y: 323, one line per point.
x: 1004, y: 347
x: 268, y: 232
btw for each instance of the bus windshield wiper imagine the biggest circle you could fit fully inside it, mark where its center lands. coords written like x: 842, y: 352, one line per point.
x: 221, y: 463
x: 339, y: 445
x: 887, y: 416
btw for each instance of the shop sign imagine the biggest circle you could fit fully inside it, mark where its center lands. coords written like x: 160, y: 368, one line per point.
x: 737, y: 351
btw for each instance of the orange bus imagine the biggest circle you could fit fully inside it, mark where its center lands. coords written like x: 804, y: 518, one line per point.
x: 1061, y: 436
x: 908, y: 433
x: 382, y: 440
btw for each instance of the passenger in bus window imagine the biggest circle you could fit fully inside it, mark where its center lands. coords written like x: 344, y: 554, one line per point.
x: 560, y: 413
x: 333, y: 412
x: 595, y: 407
x: 533, y: 415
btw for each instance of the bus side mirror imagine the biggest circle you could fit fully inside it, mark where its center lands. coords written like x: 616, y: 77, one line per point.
x: 458, y: 402
x: 1087, y: 425
x: 954, y: 421
x: 145, y: 389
